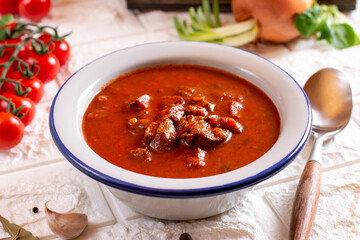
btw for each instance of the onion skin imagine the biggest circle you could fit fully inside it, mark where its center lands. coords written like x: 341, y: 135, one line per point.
x: 275, y: 17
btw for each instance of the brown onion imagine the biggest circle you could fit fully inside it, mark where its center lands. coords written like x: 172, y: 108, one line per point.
x: 275, y: 17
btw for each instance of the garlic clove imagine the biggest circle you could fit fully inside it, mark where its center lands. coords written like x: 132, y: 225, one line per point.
x: 66, y: 225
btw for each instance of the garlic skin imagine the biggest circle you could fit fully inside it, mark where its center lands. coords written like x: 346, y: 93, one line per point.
x: 66, y: 225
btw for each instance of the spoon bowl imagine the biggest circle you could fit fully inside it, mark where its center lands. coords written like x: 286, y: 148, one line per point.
x: 330, y: 98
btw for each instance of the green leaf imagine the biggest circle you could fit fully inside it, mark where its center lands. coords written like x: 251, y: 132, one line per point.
x: 308, y: 22
x: 6, y: 19
x: 15, y: 231
x: 194, y: 20
x: 357, y: 40
x: 201, y: 17
x: 343, y: 36
x: 202, y: 27
x: 216, y: 13
x: 326, y: 31
x: 326, y: 22
x: 178, y: 26
x: 2, y: 34
x: 207, y: 13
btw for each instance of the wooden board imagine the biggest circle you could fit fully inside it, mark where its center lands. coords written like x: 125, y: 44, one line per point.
x: 173, y: 5
x: 225, y: 5
x: 344, y: 5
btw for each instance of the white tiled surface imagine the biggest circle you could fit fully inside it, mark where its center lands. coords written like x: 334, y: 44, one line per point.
x: 63, y: 187
x: 35, y: 172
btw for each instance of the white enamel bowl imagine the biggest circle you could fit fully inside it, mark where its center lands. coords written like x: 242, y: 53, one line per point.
x: 180, y: 199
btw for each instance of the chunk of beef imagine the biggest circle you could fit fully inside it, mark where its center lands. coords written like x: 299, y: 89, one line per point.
x: 196, y: 158
x: 202, y: 102
x: 220, y: 133
x: 142, y: 154
x: 196, y: 110
x: 235, y: 108
x: 187, y: 122
x: 175, y: 112
x: 141, y: 102
x: 184, y: 127
x: 169, y: 101
x: 160, y: 136
x: 202, y: 134
x: 227, y: 123
x: 150, y: 132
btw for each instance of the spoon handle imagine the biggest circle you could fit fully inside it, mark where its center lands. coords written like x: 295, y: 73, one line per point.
x: 306, y: 201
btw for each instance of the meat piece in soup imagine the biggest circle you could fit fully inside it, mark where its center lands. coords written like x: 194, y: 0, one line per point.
x: 184, y: 121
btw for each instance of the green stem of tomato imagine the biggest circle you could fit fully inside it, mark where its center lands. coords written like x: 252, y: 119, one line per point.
x: 31, y: 30
x: 10, y: 105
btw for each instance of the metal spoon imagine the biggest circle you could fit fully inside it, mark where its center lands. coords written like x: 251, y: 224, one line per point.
x: 331, y: 100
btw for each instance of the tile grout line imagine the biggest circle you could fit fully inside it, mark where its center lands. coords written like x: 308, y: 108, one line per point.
x: 275, y: 211
x: 39, y: 164
x: 69, y: 2
x: 289, y: 179
x: 82, y: 44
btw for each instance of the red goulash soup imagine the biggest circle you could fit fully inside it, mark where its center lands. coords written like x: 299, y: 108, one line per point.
x: 180, y: 121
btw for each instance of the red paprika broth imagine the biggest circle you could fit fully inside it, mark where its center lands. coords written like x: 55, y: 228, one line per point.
x: 180, y: 121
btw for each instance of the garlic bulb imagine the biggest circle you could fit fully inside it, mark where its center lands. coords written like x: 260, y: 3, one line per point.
x: 66, y: 225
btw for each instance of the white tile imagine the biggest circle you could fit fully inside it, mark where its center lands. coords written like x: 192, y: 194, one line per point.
x: 157, y: 20
x: 338, y: 214
x: 251, y: 219
x: 61, y: 185
x: 34, y: 171
x: 36, y: 146
x: 97, y: 20
x: 83, y: 54
x: 338, y: 152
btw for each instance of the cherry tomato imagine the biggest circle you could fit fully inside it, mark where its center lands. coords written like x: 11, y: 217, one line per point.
x: 61, y: 49
x: 48, y: 63
x: 10, y: 25
x: 3, y: 60
x: 25, y: 50
x: 11, y: 131
x: 8, y: 6
x: 34, y: 10
x: 29, y: 106
x: 36, y: 85
x: 14, y: 41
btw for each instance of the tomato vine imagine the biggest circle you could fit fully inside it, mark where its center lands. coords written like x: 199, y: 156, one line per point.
x: 26, y: 63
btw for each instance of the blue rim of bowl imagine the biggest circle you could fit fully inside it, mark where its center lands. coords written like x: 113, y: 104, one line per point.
x: 180, y: 193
